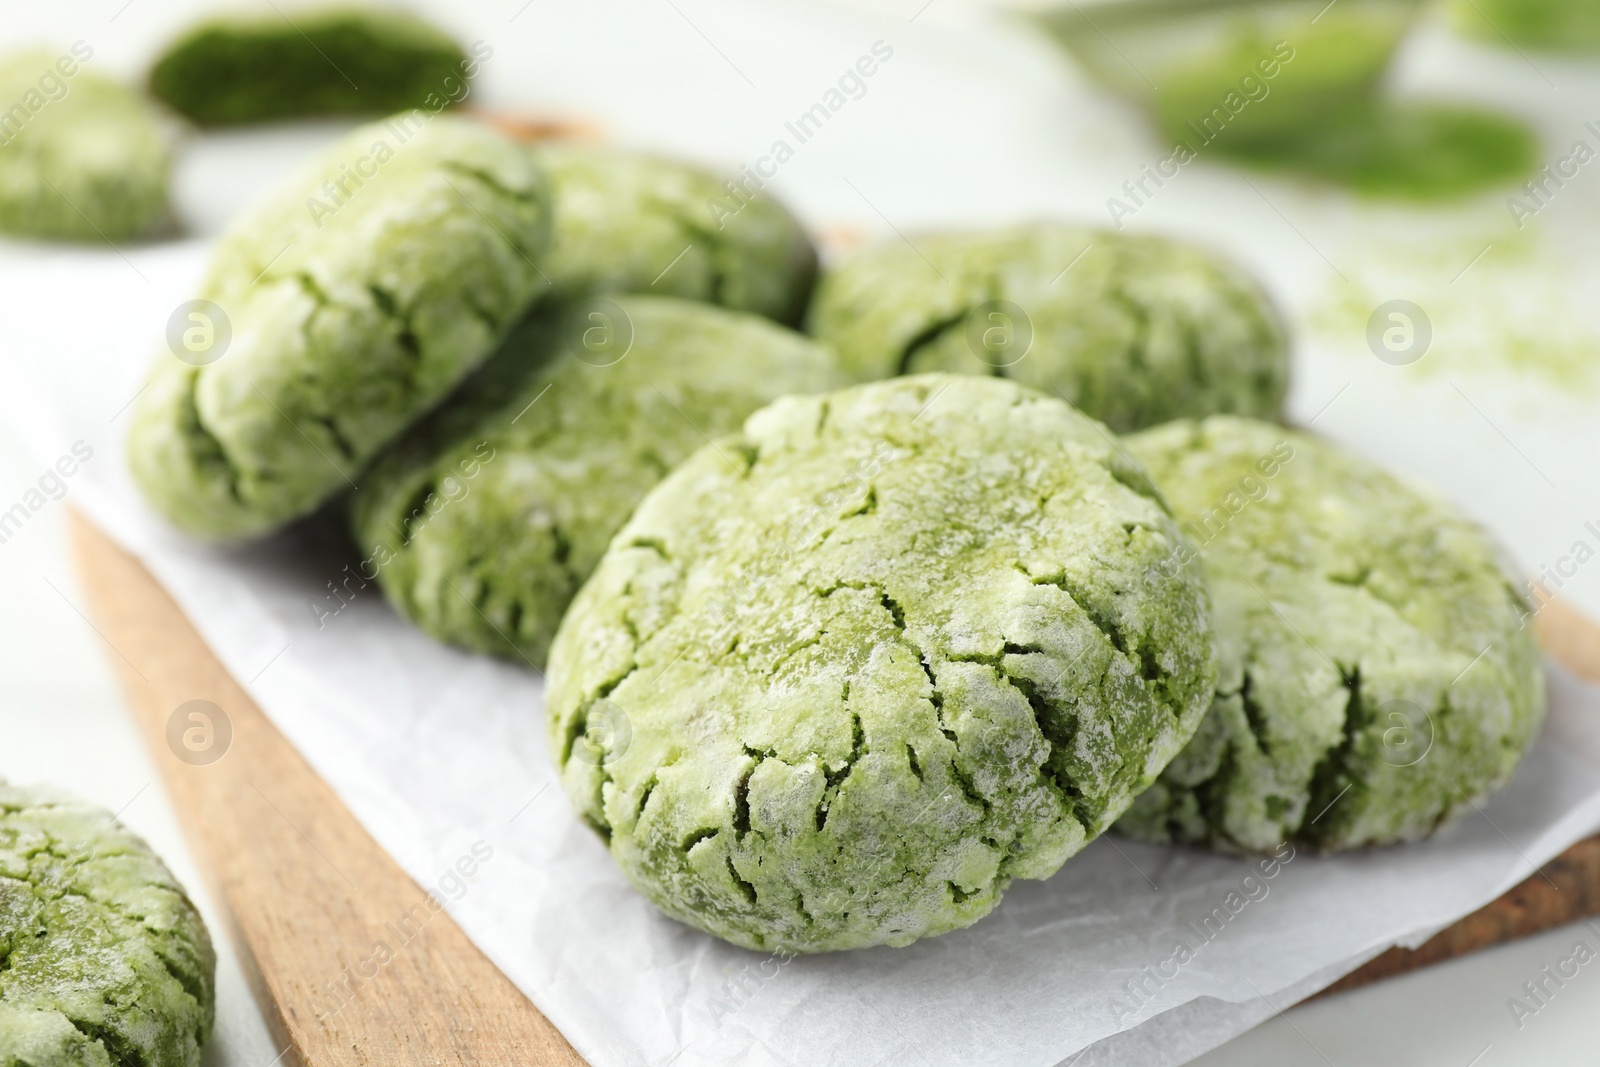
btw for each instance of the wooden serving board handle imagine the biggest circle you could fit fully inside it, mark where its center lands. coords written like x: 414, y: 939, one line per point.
x: 310, y: 894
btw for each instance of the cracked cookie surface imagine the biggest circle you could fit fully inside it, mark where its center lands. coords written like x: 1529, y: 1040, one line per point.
x: 82, y: 157
x: 356, y: 304
x: 1132, y: 330
x: 845, y: 675
x: 483, y: 522
x: 103, y: 959
x: 1376, y: 675
x: 625, y: 222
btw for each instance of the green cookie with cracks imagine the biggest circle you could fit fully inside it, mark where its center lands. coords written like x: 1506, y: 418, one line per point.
x: 258, y: 66
x: 82, y: 158
x: 347, y: 323
x: 1132, y: 330
x: 483, y: 522
x: 105, y: 960
x: 845, y: 675
x: 632, y: 223
x: 1376, y: 677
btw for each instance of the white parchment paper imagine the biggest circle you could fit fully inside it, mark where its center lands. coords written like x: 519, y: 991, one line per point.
x: 436, y: 751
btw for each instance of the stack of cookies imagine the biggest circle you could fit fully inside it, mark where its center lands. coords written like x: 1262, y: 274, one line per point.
x: 860, y: 598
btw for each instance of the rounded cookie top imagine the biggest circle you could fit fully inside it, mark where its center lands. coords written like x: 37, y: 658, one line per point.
x: 626, y: 222
x: 484, y: 520
x: 845, y: 675
x: 253, y: 66
x: 1132, y: 330
x: 340, y: 308
x: 1376, y: 675
x: 82, y: 157
x: 106, y: 960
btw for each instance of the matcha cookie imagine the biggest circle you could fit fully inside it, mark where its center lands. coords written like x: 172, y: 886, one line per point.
x: 1375, y: 673
x: 1556, y: 25
x: 103, y: 959
x: 631, y: 223
x: 339, y: 310
x: 484, y: 521
x: 263, y: 65
x: 1131, y: 330
x: 845, y: 675
x: 81, y: 157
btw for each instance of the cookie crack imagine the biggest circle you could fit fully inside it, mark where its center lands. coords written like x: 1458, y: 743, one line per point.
x: 490, y: 182
x: 121, y: 1051
x: 1255, y: 716
x: 1108, y: 627
x: 416, y: 504
x: 341, y: 443
x: 744, y: 885
x: 210, y: 445
x: 389, y: 307
x: 1143, y: 656
x: 836, y: 778
x: 1059, y: 739
x: 741, y: 792
x: 929, y: 336
x: 1361, y: 581
x: 652, y: 544
x: 1334, y: 767
x: 964, y: 781
x: 561, y: 556
x: 897, y: 613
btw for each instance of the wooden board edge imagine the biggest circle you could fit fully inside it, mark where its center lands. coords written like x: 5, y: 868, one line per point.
x: 357, y: 963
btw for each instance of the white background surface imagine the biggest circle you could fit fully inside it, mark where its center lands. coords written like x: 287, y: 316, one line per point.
x: 62, y: 720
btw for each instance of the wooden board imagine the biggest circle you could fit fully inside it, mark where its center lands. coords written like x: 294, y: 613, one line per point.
x: 310, y: 893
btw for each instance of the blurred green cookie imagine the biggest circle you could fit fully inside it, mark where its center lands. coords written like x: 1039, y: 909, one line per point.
x: 845, y: 675
x: 333, y: 315
x: 81, y: 157
x: 632, y: 223
x: 105, y: 960
x: 1375, y: 675
x: 256, y: 66
x: 483, y: 522
x: 1556, y: 25
x: 1130, y: 330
